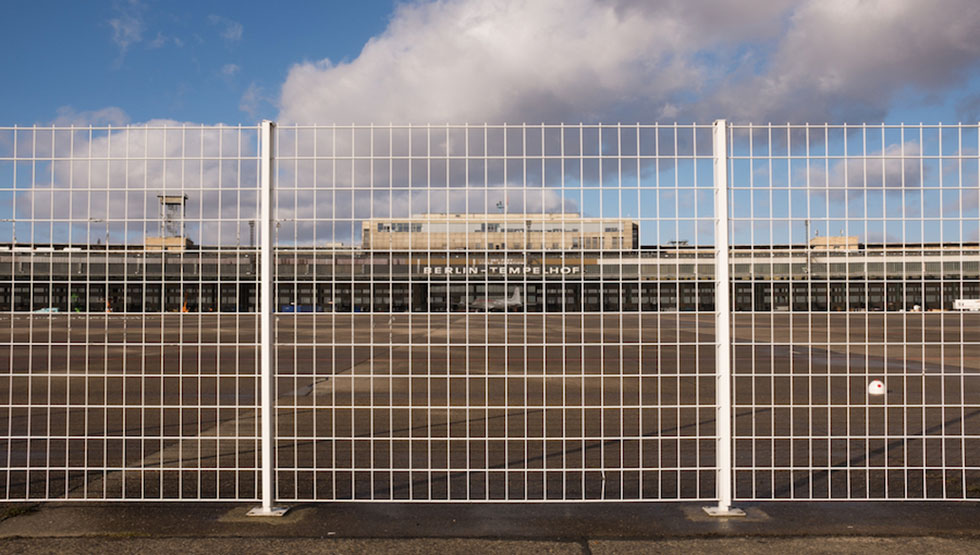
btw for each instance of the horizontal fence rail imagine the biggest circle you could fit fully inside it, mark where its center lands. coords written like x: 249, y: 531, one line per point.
x: 521, y: 313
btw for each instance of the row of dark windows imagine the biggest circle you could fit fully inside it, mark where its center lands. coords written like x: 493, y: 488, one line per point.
x: 447, y: 297
x: 400, y: 227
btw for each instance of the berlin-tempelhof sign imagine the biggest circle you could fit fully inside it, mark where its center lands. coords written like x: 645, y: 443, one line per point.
x: 501, y: 270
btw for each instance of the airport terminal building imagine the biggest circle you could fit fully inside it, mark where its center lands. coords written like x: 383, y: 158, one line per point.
x: 439, y: 263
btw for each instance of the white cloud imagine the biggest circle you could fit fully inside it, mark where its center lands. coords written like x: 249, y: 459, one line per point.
x: 111, y: 115
x: 127, y: 26
x: 847, y: 59
x: 229, y: 70
x: 231, y: 30
x: 630, y: 60
x: 161, y: 40
x: 895, y: 169
x: 501, y: 60
x: 252, y: 100
x: 102, y: 197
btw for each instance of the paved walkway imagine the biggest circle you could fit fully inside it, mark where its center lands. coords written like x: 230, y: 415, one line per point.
x: 593, y: 528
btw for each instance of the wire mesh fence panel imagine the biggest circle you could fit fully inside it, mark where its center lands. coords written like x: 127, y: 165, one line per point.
x: 856, y: 326
x: 490, y: 312
x: 127, y: 313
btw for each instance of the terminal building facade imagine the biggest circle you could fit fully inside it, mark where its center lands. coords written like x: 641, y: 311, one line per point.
x: 513, y: 232
x: 440, y: 263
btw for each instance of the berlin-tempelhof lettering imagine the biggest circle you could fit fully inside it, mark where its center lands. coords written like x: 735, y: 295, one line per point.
x: 501, y: 270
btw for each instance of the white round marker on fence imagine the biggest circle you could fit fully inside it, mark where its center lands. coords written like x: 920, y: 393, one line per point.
x: 876, y: 387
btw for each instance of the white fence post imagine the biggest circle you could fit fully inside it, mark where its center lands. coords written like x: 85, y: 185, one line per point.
x: 723, y: 341
x: 266, y: 314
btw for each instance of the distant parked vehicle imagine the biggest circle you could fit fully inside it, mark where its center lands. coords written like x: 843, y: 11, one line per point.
x: 488, y: 304
x: 973, y: 305
x: 300, y: 308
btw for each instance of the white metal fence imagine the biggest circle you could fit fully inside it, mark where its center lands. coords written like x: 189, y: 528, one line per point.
x: 129, y: 339
x: 489, y: 313
x: 890, y: 214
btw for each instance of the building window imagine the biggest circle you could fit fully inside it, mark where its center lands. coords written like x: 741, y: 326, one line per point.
x: 404, y: 227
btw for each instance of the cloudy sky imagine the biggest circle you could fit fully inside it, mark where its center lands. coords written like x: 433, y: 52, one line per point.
x: 490, y: 61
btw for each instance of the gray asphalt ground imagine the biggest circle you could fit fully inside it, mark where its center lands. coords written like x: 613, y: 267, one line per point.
x: 805, y: 528
x: 490, y: 406
x: 486, y: 407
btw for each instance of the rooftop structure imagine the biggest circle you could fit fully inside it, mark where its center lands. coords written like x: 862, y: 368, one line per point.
x: 838, y: 243
x: 172, y: 237
x: 495, y: 232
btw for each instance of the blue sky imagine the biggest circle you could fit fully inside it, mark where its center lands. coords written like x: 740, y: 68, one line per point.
x: 491, y: 60
x: 185, y: 61
x: 512, y: 61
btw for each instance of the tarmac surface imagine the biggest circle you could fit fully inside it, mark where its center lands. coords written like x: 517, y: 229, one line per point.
x: 586, y: 528
x: 490, y: 406
x: 476, y: 407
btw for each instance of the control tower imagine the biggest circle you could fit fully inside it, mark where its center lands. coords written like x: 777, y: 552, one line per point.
x: 171, y: 236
